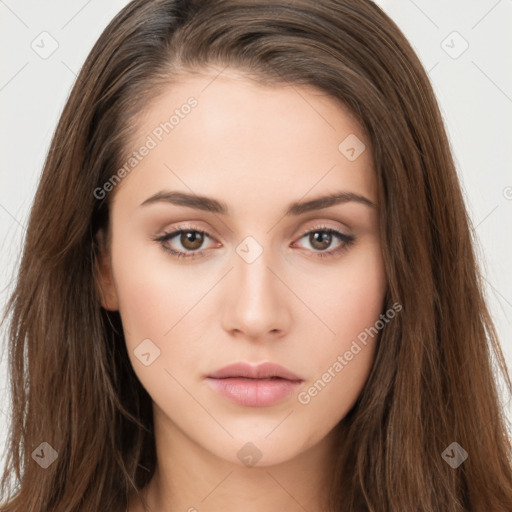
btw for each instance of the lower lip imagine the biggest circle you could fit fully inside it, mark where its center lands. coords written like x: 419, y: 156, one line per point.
x: 254, y: 392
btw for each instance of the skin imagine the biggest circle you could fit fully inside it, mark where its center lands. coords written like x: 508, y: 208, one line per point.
x: 257, y: 149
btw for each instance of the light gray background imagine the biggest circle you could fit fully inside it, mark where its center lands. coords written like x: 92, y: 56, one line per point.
x: 474, y: 90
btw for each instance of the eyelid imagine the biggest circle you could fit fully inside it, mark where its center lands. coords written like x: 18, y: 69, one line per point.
x: 322, y: 225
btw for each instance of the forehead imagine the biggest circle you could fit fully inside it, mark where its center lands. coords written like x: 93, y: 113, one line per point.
x: 228, y: 136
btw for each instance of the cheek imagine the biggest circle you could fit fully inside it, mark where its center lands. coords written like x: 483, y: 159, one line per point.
x: 153, y: 292
x: 340, y: 364
x: 159, y: 308
x: 351, y: 297
x: 158, y: 303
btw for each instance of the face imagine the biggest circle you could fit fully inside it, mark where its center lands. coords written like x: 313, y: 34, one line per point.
x: 257, y: 273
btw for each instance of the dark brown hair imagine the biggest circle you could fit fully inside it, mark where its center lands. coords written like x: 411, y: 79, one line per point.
x: 433, y: 381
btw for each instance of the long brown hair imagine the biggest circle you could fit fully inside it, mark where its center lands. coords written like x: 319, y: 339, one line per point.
x: 434, y: 378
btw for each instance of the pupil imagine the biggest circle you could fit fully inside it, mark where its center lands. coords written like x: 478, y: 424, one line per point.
x: 194, y: 239
x: 321, y: 238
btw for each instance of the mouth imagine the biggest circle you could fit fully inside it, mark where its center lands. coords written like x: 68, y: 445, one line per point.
x: 263, y: 385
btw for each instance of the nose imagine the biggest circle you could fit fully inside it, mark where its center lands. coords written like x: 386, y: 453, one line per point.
x: 257, y: 301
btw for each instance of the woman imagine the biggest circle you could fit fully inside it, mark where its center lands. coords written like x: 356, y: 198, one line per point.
x: 271, y: 368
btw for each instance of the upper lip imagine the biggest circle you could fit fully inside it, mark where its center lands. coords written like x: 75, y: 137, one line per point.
x: 259, y: 371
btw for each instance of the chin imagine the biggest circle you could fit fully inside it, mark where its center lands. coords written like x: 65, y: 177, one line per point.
x: 258, y: 449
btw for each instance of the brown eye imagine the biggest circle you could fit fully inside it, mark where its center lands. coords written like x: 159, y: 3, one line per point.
x: 184, y: 242
x: 320, y: 240
x: 188, y: 241
x: 191, y: 240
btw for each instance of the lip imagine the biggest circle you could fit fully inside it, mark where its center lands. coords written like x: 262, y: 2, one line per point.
x: 260, y: 371
x: 259, y: 385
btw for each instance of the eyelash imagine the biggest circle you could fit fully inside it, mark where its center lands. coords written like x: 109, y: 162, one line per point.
x: 347, y: 239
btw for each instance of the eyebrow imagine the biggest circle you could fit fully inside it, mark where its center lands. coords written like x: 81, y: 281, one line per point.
x: 209, y: 204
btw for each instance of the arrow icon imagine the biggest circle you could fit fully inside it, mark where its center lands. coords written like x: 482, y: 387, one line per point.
x: 44, y: 455
x: 351, y: 147
x: 454, y: 45
x: 249, y: 454
x: 249, y: 253
x: 44, y: 44
x: 454, y: 455
x: 146, y: 352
